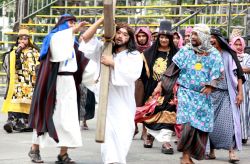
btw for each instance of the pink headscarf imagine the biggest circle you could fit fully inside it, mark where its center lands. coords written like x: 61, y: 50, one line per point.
x: 180, y: 43
x: 188, y: 30
x: 241, y: 51
x: 146, y: 30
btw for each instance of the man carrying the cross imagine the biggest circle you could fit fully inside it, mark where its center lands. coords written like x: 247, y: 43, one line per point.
x: 125, y: 66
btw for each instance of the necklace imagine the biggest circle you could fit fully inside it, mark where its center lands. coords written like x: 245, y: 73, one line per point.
x: 198, y: 65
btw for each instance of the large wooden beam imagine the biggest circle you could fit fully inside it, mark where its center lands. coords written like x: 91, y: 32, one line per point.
x: 109, y: 11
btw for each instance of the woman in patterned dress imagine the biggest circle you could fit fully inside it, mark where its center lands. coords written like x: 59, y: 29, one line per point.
x: 20, y: 65
x: 226, y: 98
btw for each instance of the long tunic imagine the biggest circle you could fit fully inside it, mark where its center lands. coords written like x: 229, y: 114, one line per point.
x: 193, y: 106
x: 227, y: 132
x: 160, y: 129
x: 21, y: 81
x: 245, y: 106
x: 65, y: 115
x: 121, y: 100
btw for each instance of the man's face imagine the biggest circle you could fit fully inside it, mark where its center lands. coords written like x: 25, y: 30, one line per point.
x: 214, y: 42
x: 154, y: 36
x: 71, y: 23
x: 121, y: 37
x: 142, y: 38
x: 187, y: 37
x: 238, y: 45
x: 195, y: 41
x: 164, y: 41
x: 176, y: 40
x: 24, y: 40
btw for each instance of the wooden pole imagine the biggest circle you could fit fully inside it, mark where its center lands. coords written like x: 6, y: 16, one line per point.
x: 109, y: 12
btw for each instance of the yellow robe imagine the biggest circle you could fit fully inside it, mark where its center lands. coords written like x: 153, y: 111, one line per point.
x: 20, y: 91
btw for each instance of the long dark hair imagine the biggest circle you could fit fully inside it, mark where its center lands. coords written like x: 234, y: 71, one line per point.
x: 131, y: 46
x: 151, y: 53
x: 225, y: 46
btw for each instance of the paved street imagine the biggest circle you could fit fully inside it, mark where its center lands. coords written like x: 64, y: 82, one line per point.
x: 14, y: 148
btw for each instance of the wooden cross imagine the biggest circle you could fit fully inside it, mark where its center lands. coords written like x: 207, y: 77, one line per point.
x: 109, y: 11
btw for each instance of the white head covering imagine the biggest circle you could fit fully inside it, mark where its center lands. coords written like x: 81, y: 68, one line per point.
x: 203, y: 32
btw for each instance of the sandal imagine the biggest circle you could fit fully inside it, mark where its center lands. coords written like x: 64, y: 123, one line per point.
x: 210, y: 156
x: 85, y: 127
x: 35, y: 156
x: 64, y: 159
x: 148, y: 142
x: 244, y: 141
x: 8, y: 127
x: 233, y: 158
x: 167, y: 148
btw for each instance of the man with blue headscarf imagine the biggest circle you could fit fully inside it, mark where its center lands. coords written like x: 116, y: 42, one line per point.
x: 54, y: 108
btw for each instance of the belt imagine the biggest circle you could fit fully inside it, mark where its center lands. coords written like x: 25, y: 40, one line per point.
x: 65, y: 73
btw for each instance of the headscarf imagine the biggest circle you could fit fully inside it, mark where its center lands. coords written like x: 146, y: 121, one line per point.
x: 61, y: 25
x: 145, y: 30
x: 181, y: 41
x: 226, y: 47
x: 203, y: 32
x: 241, y: 51
x: 188, y: 30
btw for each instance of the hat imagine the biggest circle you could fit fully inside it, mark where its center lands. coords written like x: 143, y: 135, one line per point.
x: 202, y: 28
x: 23, y: 32
x: 165, y: 27
x: 236, y: 32
x: 182, y: 32
x: 215, y: 31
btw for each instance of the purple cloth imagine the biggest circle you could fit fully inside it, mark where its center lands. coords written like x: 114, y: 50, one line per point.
x: 232, y: 82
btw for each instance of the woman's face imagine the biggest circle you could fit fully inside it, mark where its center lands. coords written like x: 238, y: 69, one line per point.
x: 176, y: 40
x: 24, y: 40
x: 238, y: 45
x: 164, y: 41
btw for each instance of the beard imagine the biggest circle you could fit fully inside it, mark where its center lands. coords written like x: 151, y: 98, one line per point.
x: 194, y: 43
x: 119, y: 43
x: 142, y: 44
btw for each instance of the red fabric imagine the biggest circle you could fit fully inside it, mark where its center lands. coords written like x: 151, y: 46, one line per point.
x: 144, y: 112
x: 177, y: 129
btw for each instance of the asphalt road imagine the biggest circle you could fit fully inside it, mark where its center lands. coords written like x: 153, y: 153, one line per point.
x: 14, y: 149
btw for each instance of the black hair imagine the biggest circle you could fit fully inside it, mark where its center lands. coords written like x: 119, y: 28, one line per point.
x: 225, y: 46
x: 131, y: 46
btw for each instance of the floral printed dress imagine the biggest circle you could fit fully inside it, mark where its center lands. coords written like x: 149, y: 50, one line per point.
x: 196, y: 71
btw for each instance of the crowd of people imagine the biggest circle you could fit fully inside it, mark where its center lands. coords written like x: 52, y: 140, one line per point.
x: 206, y: 107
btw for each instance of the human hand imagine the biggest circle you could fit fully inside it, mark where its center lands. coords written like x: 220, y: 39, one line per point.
x: 78, y: 27
x: 158, y: 89
x: 239, y: 99
x: 207, y: 90
x: 22, y: 45
x: 107, y: 60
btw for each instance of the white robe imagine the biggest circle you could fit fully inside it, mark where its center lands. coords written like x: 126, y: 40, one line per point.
x: 65, y: 116
x: 121, y: 100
